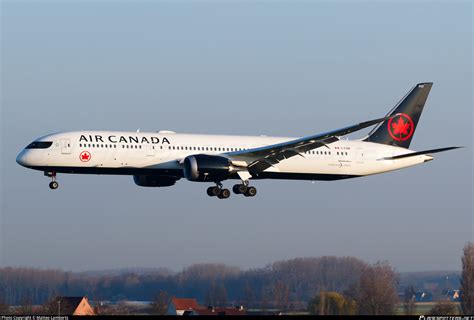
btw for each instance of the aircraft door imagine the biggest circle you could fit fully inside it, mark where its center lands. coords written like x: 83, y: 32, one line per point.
x: 150, y: 152
x: 65, y: 146
x: 364, y: 155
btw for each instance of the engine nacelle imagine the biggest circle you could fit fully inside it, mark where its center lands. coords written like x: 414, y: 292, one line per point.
x: 202, y: 167
x: 154, y: 181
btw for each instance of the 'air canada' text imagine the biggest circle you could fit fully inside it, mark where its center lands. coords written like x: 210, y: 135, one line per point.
x: 123, y: 139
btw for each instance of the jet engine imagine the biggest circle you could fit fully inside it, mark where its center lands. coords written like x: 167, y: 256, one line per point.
x: 154, y: 180
x: 202, y: 167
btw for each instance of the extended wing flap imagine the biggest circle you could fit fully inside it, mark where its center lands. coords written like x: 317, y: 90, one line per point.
x: 420, y: 153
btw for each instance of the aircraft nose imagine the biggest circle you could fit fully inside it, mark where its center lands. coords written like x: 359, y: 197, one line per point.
x: 21, y: 159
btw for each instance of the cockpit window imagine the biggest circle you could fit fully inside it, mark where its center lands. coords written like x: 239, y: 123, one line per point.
x: 39, y: 145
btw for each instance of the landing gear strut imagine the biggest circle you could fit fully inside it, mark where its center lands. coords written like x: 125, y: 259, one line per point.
x: 218, y: 191
x: 53, y: 184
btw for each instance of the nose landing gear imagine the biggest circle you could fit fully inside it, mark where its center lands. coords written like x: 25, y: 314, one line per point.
x: 53, y: 184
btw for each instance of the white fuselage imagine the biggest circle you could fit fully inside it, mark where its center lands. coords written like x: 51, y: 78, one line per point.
x: 107, y: 152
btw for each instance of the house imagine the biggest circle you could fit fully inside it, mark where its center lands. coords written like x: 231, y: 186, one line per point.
x: 178, y: 306
x: 453, y: 295
x: 423, y: 296
x: 74, y: 306
x: 219, y: 311
x: 190, y: 307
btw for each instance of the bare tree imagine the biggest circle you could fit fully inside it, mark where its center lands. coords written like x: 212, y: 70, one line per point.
x: 410, y: 300
x: 331, y: 303
x: 4, y: 308
x: 467, y: 279
x: 377, y: 294
x: 282, y: 295
x: 51, y: 307
x: 249, y: 296
x: 25, y: 307
x: 160, y: 303
x: 443, y: 308
x: 216, y: 295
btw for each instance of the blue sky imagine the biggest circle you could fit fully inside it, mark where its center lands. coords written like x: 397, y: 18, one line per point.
x: 286, y: 69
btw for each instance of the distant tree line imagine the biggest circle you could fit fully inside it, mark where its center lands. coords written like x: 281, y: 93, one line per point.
x: 320, y: 285
x: 283, y: 284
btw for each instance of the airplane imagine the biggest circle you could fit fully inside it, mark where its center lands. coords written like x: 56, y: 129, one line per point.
x: 161, y: 158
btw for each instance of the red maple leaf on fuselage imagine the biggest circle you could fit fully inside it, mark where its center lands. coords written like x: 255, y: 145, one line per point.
x: 401, y: 127
x: 85, y: 156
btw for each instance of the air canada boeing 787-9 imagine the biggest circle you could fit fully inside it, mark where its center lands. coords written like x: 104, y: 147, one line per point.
x: 162, y: 158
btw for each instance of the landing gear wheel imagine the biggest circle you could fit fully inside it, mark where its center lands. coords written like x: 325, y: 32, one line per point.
x: 251, y: 192
x: 53, y: 185
x: 239, y: 189
x: 213, y: 191
x: 225, y: 193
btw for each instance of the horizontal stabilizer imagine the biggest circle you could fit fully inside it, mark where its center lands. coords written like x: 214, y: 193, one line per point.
x: 420, y: 153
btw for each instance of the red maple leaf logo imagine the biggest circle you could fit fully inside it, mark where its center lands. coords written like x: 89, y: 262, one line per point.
x: 85, y: 156
x: 401, y: 127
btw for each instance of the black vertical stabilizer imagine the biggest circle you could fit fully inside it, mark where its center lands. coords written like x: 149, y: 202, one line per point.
x: 399, y: 130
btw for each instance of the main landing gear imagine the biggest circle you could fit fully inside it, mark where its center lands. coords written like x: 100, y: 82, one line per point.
x: 244, y: 189
x: 53, y: 184
x: 219, y: 192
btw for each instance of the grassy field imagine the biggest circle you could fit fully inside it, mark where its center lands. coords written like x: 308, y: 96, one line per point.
x: 422, y: 308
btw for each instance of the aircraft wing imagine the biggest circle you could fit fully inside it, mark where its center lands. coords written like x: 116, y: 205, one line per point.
x: 259, y: 159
